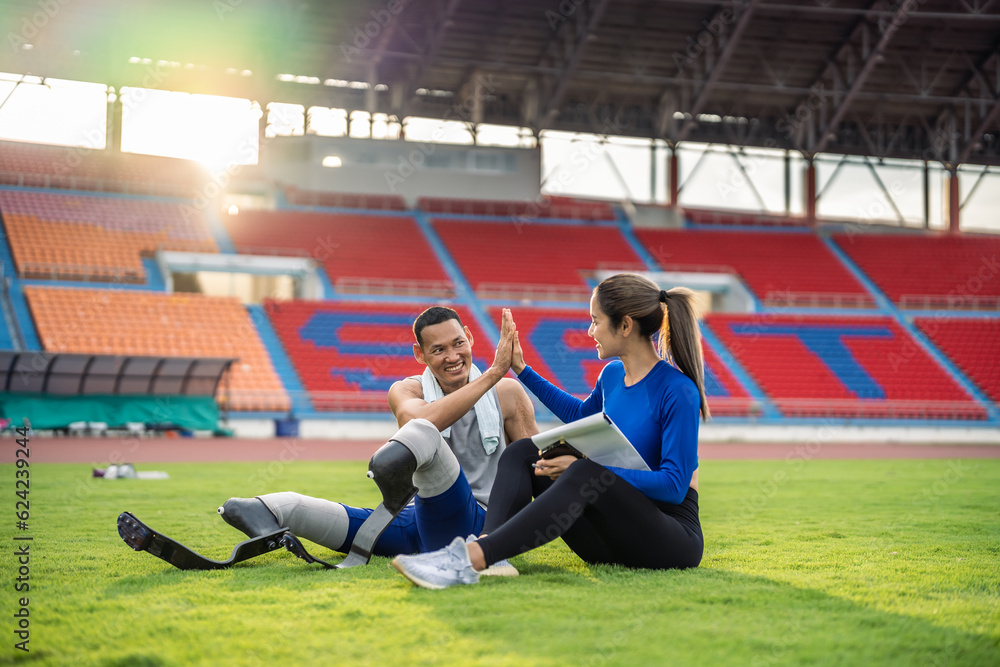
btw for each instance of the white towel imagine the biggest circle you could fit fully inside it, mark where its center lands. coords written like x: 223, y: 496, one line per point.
x: 487, y: 408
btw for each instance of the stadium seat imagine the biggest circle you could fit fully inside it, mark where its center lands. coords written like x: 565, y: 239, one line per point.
x: 929, y: 270
x: 373, y: 202
x: 781, y: 268
x: 813, y: 366
x: 74, y: 168
x: 556, y: 345
x: 349, y: 354
x: 132, y: 322
x: 374, y: 253
x: 552, y: 207
x: 973, y: 344
x: 505, y: 259
x: 91, y: 237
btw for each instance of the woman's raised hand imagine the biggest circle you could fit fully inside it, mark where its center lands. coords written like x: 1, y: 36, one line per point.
x: 505, y: 348
x: 517, y: 359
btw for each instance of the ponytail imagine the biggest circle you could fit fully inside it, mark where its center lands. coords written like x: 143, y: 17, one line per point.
x: 680, y: 339
x: 671, y: 313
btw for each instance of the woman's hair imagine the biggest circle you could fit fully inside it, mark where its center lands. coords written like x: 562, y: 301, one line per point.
x: 669, y: 312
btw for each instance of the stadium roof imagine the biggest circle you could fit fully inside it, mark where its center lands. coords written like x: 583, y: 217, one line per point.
x: 907, y: 78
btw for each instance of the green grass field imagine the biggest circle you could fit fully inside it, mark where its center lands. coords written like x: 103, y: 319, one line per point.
x: 807, y: 562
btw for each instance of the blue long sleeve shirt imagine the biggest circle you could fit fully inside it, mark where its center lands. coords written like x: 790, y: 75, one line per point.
x: 658, y: 414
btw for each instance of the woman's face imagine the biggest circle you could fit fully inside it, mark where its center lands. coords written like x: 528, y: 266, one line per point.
x: 602, y: 332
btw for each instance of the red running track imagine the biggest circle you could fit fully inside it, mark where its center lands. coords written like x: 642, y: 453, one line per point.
x: 102, y: 451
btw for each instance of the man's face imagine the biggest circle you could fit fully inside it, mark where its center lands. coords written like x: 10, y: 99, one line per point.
x: 447, y: 351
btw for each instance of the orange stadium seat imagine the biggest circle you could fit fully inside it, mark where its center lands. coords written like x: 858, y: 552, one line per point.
x: 81, y: 237
x: 102, y: 321
x: 31, y: 165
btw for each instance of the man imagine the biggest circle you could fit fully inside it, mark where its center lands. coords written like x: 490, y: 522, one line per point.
x: 453, y: 425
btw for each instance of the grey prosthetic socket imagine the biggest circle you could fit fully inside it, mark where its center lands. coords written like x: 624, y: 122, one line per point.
x: 316, y: 519
x: 391, y: 468
x: 417, y: 458
x: 250, y: 516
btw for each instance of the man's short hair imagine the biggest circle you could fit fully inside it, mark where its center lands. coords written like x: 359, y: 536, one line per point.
x: 433, y: 315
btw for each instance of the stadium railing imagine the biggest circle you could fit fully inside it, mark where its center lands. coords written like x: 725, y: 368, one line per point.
x: 818, y: 300
x: 83, y: 272
x: 878, y: 409
x: 700, y: 268
x: 386, y: 286
x: 90, y: 184
x: 533, y: 292
x: 737, y: 218
x: 949, y: 302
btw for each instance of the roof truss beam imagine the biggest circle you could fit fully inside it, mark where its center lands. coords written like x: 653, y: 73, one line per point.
x: 858, y: 47
x: 961, y: 125
x: 572, y: 35
x: 715, y: 60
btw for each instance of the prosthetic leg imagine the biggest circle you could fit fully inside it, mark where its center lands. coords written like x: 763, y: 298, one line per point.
x: 391, y: 468
x: 141, y: 537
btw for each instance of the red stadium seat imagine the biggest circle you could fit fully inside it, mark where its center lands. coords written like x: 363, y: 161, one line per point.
x: 375, y: 253
x: 973, y: 344
x: 356, y: 349
x: 782, y: 268
x: 842, y: 367
x: 531, y: 258
x: 913, y: 269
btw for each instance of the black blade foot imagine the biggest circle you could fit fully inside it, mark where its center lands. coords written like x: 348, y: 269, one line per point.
x: 141, y: 537
x: 292, y: 544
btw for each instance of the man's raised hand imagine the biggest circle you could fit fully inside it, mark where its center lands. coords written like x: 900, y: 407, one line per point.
x: 505, y: 348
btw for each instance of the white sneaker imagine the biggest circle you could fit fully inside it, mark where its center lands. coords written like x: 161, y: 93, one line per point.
x: 501, y: 568
x: 439, y: 569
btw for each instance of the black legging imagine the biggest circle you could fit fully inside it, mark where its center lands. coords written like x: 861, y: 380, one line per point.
x: 602, y: 518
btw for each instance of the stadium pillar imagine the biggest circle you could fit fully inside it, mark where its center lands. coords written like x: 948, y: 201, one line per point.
x: 954, y: 202
x: 927, y: 194
x: 788, y: 182
x: 810, y: 188
x: 673, y: 176
x: 113, y: 137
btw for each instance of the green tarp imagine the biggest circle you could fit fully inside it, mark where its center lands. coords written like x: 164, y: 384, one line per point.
x: 46, y: 411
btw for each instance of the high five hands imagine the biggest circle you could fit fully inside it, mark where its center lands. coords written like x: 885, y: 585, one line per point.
x: 509, y: 355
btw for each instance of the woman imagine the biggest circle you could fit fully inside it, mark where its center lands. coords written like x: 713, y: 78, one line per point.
x: 636, y: 518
